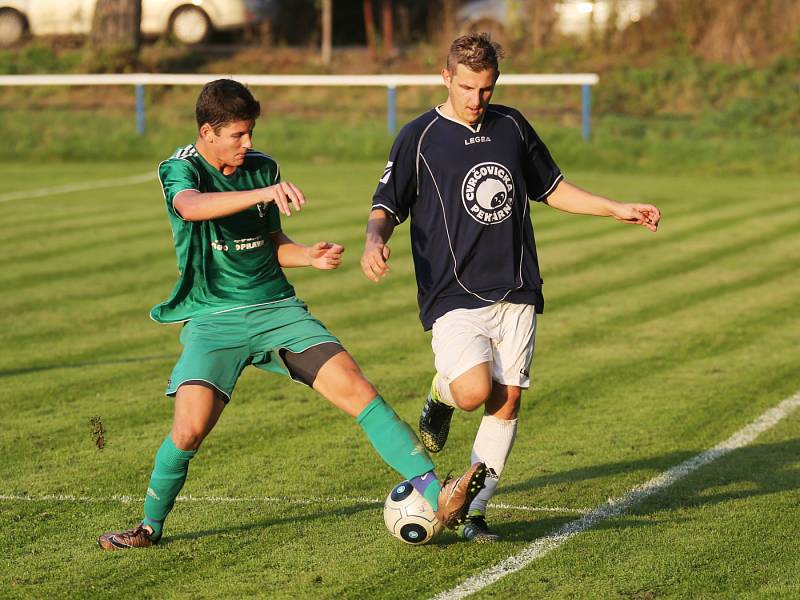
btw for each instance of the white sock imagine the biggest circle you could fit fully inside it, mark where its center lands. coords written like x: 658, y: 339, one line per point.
x: 492, y: 446
x: 443, y: 389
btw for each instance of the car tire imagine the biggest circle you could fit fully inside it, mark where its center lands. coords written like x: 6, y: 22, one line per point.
x: 12, y: 27
x: 190, y: 25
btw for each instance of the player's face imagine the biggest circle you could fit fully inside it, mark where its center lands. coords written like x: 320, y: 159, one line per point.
x: 231, y: 143
x: 469, y: 91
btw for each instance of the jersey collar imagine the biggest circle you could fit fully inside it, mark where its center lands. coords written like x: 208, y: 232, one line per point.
x: 475, y: 129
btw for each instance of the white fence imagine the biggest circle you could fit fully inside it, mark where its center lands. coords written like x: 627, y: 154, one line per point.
x: 390, y: 82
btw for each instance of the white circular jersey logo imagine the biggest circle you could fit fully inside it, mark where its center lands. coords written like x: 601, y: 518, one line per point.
x: 488, y: 193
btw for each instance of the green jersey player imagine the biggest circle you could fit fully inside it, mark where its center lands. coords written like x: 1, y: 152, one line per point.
x: 224, y: 202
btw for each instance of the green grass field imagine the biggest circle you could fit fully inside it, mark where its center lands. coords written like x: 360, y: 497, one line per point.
x: 653, y: 348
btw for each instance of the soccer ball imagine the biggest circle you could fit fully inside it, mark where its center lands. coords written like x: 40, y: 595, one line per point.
x: 408, y: 516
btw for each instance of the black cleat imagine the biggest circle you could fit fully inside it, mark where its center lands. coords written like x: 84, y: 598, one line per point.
x: 475, y: 529
x: 434, y: 422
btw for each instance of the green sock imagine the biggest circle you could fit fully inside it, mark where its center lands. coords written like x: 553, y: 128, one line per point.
x: 394, y: 440
x: 166, y: 481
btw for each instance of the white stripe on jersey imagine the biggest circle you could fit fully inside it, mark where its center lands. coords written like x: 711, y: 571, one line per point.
x: 184, y: 152
x: 522, y: 137
x: 387, y: 209
x: 163, y: 191
x: 262, y: 155
x: 419, y: 149
x: 552, y: 187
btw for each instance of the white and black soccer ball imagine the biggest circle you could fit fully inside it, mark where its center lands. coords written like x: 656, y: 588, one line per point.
x: 408, y: 516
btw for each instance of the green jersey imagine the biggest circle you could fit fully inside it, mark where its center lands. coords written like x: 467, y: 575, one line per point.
x: 225, y: 263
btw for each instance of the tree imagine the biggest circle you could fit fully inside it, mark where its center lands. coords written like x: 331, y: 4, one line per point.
x: 369, y: 30
x: 327, y: 31
x: 116, y: 34
x: 387, y: 30
x: 542, y: 18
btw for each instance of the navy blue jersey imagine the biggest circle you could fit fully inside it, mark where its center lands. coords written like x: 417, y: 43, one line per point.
x: 466, y: 190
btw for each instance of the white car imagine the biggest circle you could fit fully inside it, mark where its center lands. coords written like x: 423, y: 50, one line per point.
x: 188, y: 21
x: 573, y: 17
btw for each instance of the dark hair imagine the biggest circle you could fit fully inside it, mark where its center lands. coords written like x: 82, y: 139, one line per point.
x: 224, y: 101
x: 476, y: 51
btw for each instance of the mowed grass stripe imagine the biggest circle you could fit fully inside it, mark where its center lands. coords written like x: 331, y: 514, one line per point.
x: 671, y: 270
x: 77, y: 187
x: 645, y: 271
x: 679, y: 298
x: 674, y: 299
x: 102, y: 240
x: 658, y: 346
x: 662, y: 281
x: 37, y: 216
x: 609, y: 242
x: 385, y: 313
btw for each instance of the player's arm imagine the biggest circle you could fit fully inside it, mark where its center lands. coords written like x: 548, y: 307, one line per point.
x: 322, y: 255
x: 374, y: 260
x: 204, y: 206
x: 572, y: 199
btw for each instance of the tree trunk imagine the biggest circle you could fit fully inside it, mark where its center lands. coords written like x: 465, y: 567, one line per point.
x: 327, y: 31
x: 542, y: 17
x: 387, y: 30
x: 448, y: 25
x: 116, y: 34
x: 369, y: 29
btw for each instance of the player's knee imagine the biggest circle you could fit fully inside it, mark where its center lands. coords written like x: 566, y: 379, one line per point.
x: 344, y: 380
x: 187, y: 437
x: 471, y: 400
x: 361, y: 388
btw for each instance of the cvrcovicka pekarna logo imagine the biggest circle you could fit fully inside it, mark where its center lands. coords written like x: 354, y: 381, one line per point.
x: 488, y: 193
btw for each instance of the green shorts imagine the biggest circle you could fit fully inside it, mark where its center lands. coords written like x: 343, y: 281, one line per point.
x: 217, y: 348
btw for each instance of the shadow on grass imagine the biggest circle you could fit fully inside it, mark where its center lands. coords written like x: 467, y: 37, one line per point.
x: 344, y: 511
x: 751, y: 471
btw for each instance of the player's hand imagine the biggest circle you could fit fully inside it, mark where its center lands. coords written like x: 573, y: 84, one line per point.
x: 284, y: 194
x: 646, y: 215
x: 325, y: 255
x: 374, y: 261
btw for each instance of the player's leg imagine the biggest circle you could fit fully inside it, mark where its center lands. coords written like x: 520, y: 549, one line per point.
x: 197, y: 409
x: 514, y: 336
x: 463, y: 357
x: 335, y: 375
x: 310, y: 354
x: 341, y: 382
x: 492, y: 446
x: 202, y: 382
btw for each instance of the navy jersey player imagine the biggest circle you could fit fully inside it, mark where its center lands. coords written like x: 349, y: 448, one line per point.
x: 464, y: 173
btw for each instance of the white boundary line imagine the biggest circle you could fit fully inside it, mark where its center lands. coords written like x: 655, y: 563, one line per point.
x: 77, y: 187
x: 264, y: 499
x: 616, y: 506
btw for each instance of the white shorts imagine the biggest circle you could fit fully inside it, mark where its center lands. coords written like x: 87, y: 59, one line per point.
x: 502, y: 334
